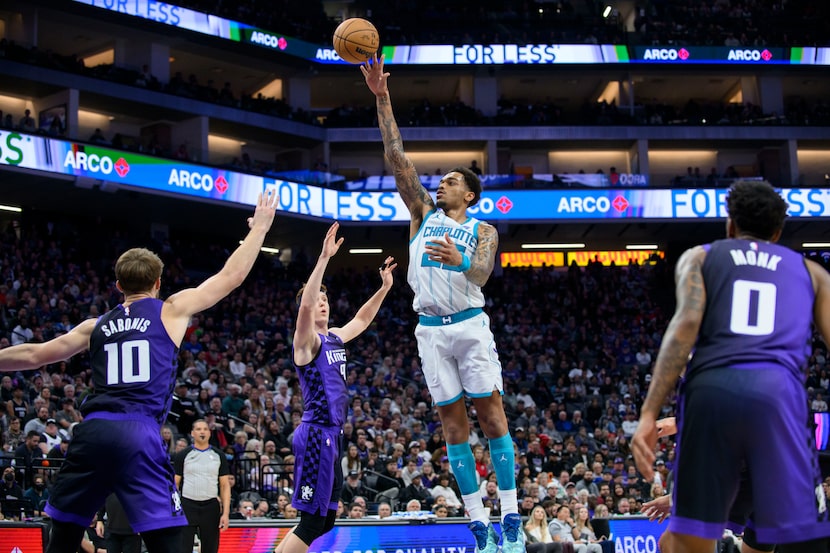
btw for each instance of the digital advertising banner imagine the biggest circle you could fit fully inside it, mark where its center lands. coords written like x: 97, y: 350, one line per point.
x: 809, y: 56
x: 505, y: 54
x: 467, y: 54
x: 581, y: 258
x: 561, y: 180
x: 123, y: 169
x: 471, y: 54
x: 709, y: 55
x: 630, y: 535
x: 22, y: 537
x: 219, y: 27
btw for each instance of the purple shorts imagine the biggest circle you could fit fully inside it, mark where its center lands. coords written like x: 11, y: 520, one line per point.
x: 750, y: 424
x: 121, y: 456
x: 317, y: 475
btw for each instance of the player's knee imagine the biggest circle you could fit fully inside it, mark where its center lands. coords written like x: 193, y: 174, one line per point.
x: 311, y: 527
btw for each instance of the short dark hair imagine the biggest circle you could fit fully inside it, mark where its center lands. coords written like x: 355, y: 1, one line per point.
x: 756, y: 208
x: 472, y: 181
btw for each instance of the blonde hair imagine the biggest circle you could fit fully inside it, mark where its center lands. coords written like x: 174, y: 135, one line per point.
x: 543, y: 524
x: 299, y: 296
x: 137, y: 270
x: 578, y: 525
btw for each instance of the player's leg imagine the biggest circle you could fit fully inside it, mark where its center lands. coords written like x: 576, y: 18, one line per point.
x: 81, y: 486
x: 456, y: 430
x: 480, y: 372
x: 819, y: 545
x: 664, y: 543
x: 281, y: 546
x: 435, y: 346
x: 686, y: 543
x: 191, y: 511
x: 709, y: 460
x: 163, y: 540
x: 749, y: 543
x: 491, y: 417
x: 145, y: 483
x: 65, y: 537
x: 311, y: 527
x: 795, y: 513
x: 209, y: 527
x: 132, y: 544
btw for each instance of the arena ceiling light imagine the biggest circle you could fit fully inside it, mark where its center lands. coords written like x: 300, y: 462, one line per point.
x: 815, y: 245
x: 366, y: 250
x: 11, y: 208
x: 641, y: 246
x: 573, y: 246
x: 266, y: 249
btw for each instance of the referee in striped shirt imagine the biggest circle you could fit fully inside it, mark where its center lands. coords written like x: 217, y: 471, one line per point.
x: 202, y: 476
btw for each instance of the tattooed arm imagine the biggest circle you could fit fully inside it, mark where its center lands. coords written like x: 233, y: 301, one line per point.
x: 444, y: 251
x: 481, y: 265
x: 412, y: 192
x: 678, y: 341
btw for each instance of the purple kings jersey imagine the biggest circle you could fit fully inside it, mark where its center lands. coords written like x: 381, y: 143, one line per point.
x: 323, y: 384
x: 759, y: 305
x: 133, y: 362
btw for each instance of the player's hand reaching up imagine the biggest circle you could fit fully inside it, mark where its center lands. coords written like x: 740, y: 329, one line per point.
x: 331, y: 243
x: 266, y: 208
x: 375, y: 77
x: 386, y: 272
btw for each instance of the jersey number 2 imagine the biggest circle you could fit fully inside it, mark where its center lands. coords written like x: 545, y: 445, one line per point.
x: 753, y: 308
x: 130, y: 365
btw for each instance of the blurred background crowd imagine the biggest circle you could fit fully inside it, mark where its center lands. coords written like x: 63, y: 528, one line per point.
x: 577, y: 345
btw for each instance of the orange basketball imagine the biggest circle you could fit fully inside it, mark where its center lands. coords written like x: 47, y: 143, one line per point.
x: 356, y: 40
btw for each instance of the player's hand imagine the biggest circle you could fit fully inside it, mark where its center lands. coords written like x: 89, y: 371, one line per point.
x: 375, y: 77
x: 444, y: 252
x: 386, y: 272
x: 658, y: 509
x: 223, y: 522
x: 331, y: 243
x: 643, y: 444
x: 667, y: 427
x: 99, y: 529
x: 266, y: 208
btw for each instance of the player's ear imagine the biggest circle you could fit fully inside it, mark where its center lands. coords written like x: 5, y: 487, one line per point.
x: 731, y: 229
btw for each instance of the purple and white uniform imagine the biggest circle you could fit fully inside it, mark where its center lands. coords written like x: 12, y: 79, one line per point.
x: 118, y: 447
x: 317, y: 440
x: 743, y: 404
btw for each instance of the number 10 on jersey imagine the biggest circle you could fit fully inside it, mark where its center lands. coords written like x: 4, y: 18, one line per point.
x: 128, y: 362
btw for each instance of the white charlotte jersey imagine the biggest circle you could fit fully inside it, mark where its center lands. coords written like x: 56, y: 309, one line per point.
x: 440, y: 289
